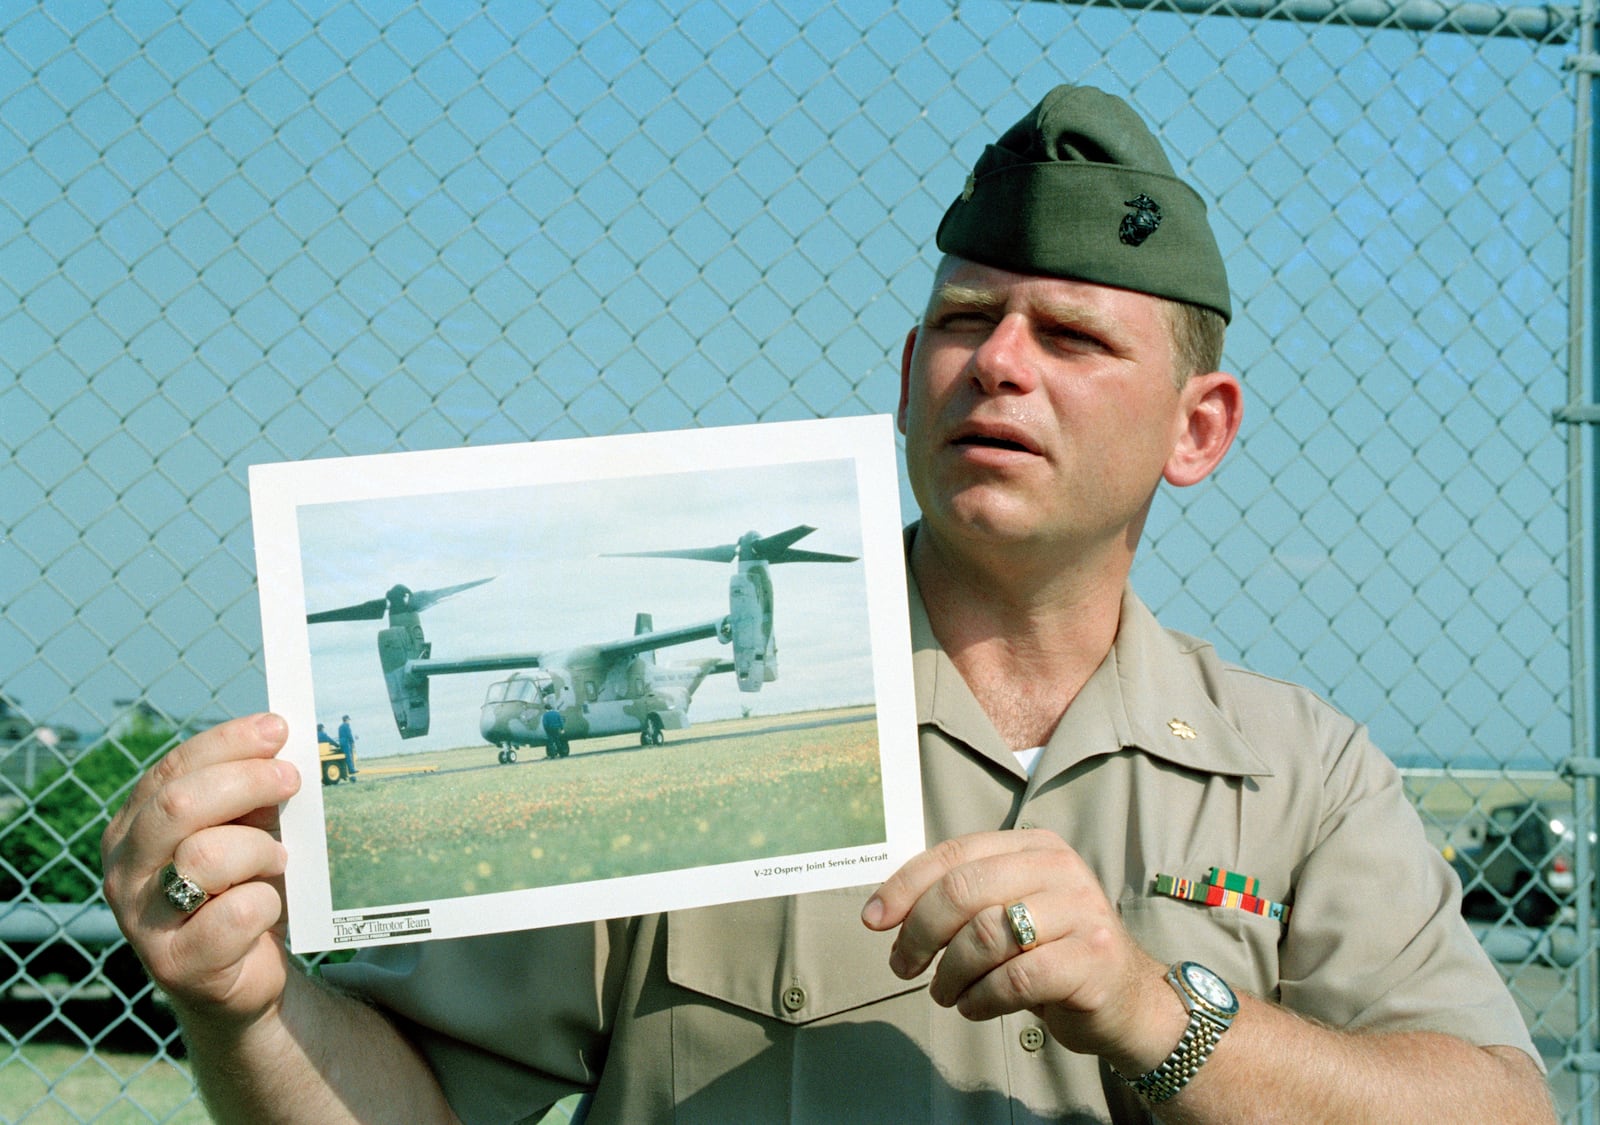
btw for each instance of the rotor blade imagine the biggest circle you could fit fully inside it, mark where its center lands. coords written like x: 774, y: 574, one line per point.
x: 374, y: 610
x: 772, y: 548
x: 423, y: 599
x: 808, y: 556
x: 777, y: 549
x: 724, y: 553
x: 773, y: 545
x: 366, y: 611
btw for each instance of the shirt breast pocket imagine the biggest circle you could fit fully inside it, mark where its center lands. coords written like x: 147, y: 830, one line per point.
x: 1240, y: 946
x: 795, y: 959
x: 791, y: 1000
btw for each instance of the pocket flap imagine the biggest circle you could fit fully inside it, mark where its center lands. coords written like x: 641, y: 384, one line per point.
x: 795, y: 959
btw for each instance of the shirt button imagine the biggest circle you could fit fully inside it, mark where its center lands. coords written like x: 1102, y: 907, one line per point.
x: 1032, y: 1038
x: 794, y: 998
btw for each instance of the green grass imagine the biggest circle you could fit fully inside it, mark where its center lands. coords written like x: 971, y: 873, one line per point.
x: 47, y: 1083
x: 691, y: 803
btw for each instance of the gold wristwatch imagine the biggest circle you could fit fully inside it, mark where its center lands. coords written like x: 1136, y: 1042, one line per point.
x: 1211, y: 1005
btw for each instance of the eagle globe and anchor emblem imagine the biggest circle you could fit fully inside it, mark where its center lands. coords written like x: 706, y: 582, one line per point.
x: 1142, y: 222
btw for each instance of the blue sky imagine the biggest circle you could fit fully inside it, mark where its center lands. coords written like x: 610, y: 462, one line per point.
x: 236, y: 234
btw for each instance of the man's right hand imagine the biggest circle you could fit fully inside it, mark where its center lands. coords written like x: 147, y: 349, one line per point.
x: 266, y: 1042
x: 209, y: 808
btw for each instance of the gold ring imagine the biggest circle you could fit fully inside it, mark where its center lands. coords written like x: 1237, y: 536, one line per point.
x: 1022, y: 927
x: 183, y: 892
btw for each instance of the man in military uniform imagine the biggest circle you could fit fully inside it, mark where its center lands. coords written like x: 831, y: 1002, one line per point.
x: 347, y: 746
x: 1158, y: 884
x: 555, y: 727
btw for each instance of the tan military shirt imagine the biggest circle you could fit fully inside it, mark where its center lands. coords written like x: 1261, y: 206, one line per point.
x: 1168, y: 762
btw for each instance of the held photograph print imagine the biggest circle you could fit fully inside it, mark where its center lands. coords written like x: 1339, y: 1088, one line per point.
x: 561, y: 681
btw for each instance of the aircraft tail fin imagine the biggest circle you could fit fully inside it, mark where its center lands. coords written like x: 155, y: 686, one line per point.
x: 644, y: 623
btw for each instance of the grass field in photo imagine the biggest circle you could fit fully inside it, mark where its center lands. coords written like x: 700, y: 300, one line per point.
x: 721, y: 792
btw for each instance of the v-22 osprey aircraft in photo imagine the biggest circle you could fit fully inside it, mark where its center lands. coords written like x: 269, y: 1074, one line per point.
x: 614, y: 687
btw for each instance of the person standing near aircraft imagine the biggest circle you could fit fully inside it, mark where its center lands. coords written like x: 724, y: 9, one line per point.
x: 347, y: 746
x: 1156, y: 883
x: 554, y: 732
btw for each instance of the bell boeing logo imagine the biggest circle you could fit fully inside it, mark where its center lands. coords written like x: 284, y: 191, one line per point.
x: 376, y: 927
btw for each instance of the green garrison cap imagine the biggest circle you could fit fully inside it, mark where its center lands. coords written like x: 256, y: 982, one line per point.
x: 1079, y: 188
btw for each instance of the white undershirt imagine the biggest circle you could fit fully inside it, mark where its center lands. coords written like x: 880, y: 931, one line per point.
x: 1029, y: 758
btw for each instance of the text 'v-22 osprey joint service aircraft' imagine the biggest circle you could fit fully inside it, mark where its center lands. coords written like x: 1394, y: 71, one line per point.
x: 595, y: 689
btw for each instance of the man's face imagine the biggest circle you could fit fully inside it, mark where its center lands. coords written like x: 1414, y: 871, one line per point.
x: 1038, y: 410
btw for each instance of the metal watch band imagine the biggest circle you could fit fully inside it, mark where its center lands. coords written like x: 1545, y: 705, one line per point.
x: 1198, y: 1040
x: 1194, y: 1046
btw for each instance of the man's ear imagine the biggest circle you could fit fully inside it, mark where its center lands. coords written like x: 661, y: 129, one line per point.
x: 1211, y: 407
x: 905, y: 377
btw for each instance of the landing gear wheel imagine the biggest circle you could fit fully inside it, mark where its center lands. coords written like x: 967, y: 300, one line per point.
x: 511, y: 755
x: 653, y: 734
x: 501, y: 757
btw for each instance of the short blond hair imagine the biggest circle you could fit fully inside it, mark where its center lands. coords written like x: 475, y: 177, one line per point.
x: 1197, y: 337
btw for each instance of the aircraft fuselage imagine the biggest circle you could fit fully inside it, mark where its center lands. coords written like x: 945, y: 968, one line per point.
x: 634, y: 697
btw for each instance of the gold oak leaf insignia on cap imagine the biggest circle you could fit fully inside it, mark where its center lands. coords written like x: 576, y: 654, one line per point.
x: 1183, y: 730
x: 1142, y: 223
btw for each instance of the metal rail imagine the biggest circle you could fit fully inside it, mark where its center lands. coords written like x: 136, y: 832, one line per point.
x: 89, y: 924
x: 1548, y: 24
x: 1579, y: 414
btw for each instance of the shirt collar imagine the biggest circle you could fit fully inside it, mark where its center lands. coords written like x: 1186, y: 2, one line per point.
x: 943, y: 698
x: 1150, y: 694
x: 1165, y: 687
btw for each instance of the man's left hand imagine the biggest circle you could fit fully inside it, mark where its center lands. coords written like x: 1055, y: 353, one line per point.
x: 1095, y: 989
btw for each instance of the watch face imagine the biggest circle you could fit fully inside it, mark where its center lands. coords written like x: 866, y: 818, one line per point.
x: 1209, y: 987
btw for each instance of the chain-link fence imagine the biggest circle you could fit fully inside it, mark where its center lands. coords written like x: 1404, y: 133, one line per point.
x: 243, y: 233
